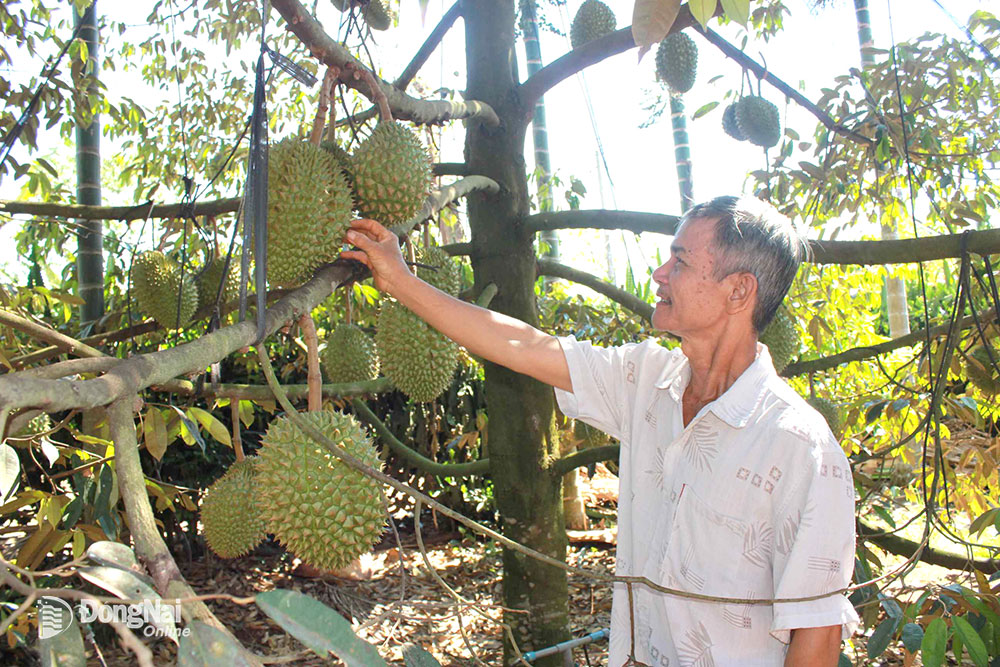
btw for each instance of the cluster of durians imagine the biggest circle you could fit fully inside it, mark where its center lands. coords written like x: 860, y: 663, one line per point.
x: 169, y: 294
x: 752, y: 118
x: 323, y: 510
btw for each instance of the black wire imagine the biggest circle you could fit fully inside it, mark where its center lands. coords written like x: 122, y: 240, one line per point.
x: 22, y: 122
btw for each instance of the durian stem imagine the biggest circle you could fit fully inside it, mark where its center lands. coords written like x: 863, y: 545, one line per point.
x: 315, y: 379
x: 319, y: 122
x: 377, y: 95
x: 234, y: 415
x: 349, y: 302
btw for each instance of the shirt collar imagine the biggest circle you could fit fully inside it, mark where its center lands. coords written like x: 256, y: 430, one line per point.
x: 740, y: 401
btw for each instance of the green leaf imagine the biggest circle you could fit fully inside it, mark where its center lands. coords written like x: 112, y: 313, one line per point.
x: 126, y: 584
x: 973, y: 642
x: 985, y: 519
x: 112, y: 554
x: 10, y: 472
x: 704, y: 109
x: 913, y: 635
x: 933, y: 644
x: 416, y: 656
x: 880, y: 639
x: 651, y: 21
x: 205, y: 645
x: 702, y: 10
x: 737, y: 11
x: 211, y: 424
x: 317, y: 626
x: 154, y: 429
x: 63, y: 648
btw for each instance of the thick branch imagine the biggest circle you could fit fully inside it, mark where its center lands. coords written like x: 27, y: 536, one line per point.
x: 142, y: 211
x: 547, y: 267
x: 438, y: 199
x: 633, y: 221
x: 43, y: 333
x: 450, y: 169
x: 585, y: 457
x: 429, y: 46
x: 862, y: 353
x: 261, y: 392
x: 329, y: 52
x: 415, y: 458
x: 749, y: 63
x: 901, y: 251
x: 900, y: 546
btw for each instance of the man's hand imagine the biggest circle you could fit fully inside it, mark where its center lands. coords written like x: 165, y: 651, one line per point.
x: 379, y: 251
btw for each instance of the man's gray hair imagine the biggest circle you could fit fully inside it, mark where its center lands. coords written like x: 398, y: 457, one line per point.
x: 751, y: 236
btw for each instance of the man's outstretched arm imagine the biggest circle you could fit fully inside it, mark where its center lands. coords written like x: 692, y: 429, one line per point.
x: 499, y: 338
x: 814, y: 647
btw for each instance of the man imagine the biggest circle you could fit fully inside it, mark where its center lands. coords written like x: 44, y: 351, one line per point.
x: 730, y: 484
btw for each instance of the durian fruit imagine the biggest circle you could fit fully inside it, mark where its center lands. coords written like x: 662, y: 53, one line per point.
x: 308, y: 211
x: 758, y: 121
x: 441, y: 270
x: 677, y: 61
x: 588, y: 436
x: 392, y: 174
x: 323, y: 511
x: 830, y: 412
x: 156, y: 282
x: 594, y: 19
x: 729, y: 124
x: 980, y: 371
x: 420, y: 361
x: 343, y: 161
x: 230, y: 512
x: 781, y: 340
x: 377, y: 15
x: 349, y: 355
x: 210, y: 277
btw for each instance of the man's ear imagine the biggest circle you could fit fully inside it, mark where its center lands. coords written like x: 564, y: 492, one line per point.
x: 743, y: 294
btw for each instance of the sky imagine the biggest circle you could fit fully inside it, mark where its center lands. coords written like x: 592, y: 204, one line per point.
x: 604, y: 105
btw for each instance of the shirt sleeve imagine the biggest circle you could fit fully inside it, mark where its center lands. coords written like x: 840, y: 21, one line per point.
x: 601, y: 378
x: 814, y: 547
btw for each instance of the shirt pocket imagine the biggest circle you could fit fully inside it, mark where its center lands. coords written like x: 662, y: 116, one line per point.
x: 709, y: 551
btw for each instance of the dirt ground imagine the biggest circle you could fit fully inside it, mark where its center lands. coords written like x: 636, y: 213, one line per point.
x: 403, y: 603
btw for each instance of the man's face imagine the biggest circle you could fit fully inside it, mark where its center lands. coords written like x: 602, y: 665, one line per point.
x: 691, y: 301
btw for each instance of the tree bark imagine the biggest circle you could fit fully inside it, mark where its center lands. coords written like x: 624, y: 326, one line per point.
x: 523, y: 438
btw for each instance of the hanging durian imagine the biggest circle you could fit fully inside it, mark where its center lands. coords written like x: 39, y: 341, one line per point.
x: 420, y: 361
x: 758, y: 121
x: 677, y: 61
x: 392, y: 174
x: 230, y: 512
x: 593, y: 20
x: 349, y: 355
x: 157, y: 282
x: 781, y: 340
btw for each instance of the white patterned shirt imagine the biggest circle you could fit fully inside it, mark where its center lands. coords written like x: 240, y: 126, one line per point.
x: 753, y: 499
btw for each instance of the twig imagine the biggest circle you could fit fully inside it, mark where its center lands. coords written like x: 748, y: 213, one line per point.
x: 234, y: 416
x: 377, y: 95
x: 314, y: 378
x: 319, y: 122
x: 62, y: 341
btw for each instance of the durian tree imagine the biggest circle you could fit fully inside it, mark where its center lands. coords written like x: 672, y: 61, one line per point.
x: 829, y: 315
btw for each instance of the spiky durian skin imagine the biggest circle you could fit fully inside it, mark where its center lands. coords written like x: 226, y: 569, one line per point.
x: 677, y: 61
x: 419, y: 361
x: 230, y: 513
x: 323, y: 511
x: 392, y: 174
x: 308, y: 211
x: 377, y: 15
x: 781, y: 340
x: 342, y: 159
x: 441, y: 270
x: 588, y: 436
x: 729, y: 124
x: 830, y: 412
x: 758, y: 121
x: 594, y: 19
x: 156, y: 282
x: 349, y: 356
x: 210, y: 277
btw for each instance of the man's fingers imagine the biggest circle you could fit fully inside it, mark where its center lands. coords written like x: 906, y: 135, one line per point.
x: 371, y: 228
x: 356, y: 255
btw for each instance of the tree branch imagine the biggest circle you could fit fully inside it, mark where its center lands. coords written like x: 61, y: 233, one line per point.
x: 329, y: 52
x: 862, y: 353
x: 438, y: 199
x: 762, y: 73
x: 149, y: 209
x: 43, y: 333
x: 632, y: 221
x: 548, y: 267
x: 585, y: 457
x: 900, y: 251
x: 429, y: 46
x: 415, y: 458
x: 900, y: 546
x: 261, y: 392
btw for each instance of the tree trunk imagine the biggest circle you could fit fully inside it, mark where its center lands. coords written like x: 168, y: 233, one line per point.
x: 89, y: 256
x: 523, y: 438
